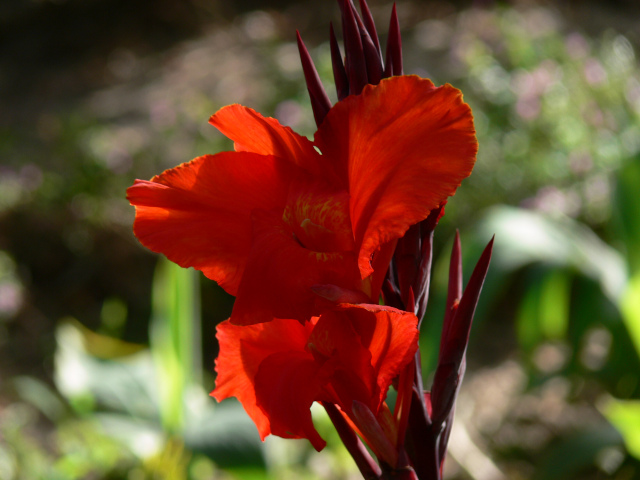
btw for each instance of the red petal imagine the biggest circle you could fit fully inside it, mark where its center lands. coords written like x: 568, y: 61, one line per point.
x: 243, y: 349
x: 319, y: 216
x: 335, y: 338
x: 287, y: 383
x: 199, y: 213
x: 402, y: 147
x: 380, y: 264
x: 372, y: 343
x: 391, y: 337
x: 280, y: 274
x: 251, y: 132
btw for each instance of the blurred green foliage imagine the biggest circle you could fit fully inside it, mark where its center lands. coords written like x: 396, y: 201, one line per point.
x: 554, y: 362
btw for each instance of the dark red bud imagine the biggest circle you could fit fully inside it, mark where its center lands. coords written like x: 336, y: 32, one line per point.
x: 367, y: 466
x: 367, y: 423
x: 455, y: 335
x: 356, y: 66
x: 394, y: 47
x: 460, y: 325
x: 320, y: 102
x: 367, y: 19
x: 339, y: 73
x: 454, y: 292
x: 403, y: 401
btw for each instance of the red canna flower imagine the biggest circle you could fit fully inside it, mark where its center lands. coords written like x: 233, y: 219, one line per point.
x: 291, y: 226
x: 347, y: 357
x: 308, y: 234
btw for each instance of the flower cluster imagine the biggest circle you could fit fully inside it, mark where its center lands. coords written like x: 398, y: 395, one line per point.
x: 309, y: 235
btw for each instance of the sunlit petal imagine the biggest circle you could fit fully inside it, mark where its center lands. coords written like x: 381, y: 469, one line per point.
x: 199, y: 213
x: 402, y: 147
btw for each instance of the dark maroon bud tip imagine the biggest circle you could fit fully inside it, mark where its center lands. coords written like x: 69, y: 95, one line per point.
x: 339, y: 73
x: 367, y: 19
x: 454, y: 346
x: 355, y: 65
x: 320, y: 102
x: 394, y: 46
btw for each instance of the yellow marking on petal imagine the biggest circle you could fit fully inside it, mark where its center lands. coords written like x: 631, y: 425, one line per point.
x: 313, y: 229
x: 319, y: 214
x: 366, y: 285
x: 324, y: 256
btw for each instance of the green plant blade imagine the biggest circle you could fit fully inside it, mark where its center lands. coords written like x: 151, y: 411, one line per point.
x: 175, y: 339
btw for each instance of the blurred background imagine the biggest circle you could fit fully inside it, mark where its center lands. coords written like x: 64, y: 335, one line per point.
x: 107, y: 351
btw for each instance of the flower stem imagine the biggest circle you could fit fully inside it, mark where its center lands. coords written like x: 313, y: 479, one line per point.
x: 367, y: 465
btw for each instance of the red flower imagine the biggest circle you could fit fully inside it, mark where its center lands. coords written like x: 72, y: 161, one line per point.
x: 291, y: 226
x: 278, y: 369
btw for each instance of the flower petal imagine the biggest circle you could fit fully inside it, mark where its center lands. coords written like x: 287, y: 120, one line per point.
x: 335, y: 340
x: 243, y: 349
x: 287, y: 384
x: 199, y: 213
x: 390, y: 336
x: 318, y: 214
x: 280, y: 274
x: 251, y: 132
x: 371, y: 344
x: 402, y: 147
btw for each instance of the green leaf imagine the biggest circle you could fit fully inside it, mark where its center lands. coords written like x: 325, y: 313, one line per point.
x: 544, y: 310
x: 123, y: 385
x: 630, y: 309
x: 627, y: 210
x: 554, y: 304
x: 40, y: 395
x: 226, y: 434
x: 175, y: 339
x: 143, y: 438
x: 625, y: 416
x: 569, y: 456
x: 524, y: 237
